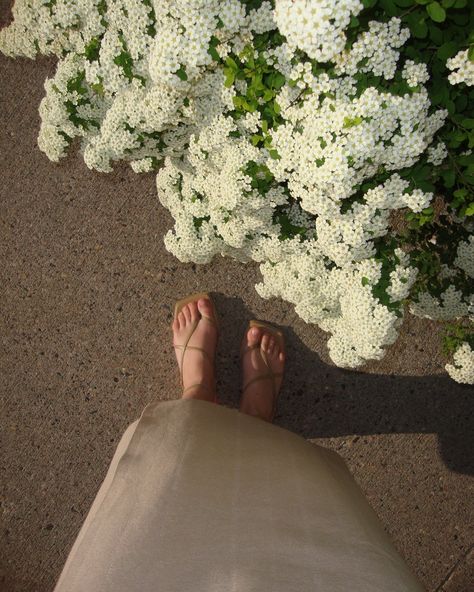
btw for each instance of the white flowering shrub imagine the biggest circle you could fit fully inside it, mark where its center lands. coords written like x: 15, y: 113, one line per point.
x: 328, y: 140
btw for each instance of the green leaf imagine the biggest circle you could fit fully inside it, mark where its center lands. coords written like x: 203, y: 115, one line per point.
x: 231, y: 63
x: 229, y: 77
x: 276, y: 80
x: 365, y: 281
x: 470, y: 53
x: 436, y: 12
x: 417, y: 25
x: 98, y: 88
x: 92, y: 50
x: 268, y: 95
x: 181, y: 73
x: 436, y: 34
x: 447, y: 50
x: 352, y: 121
x: 354, y: 22
x: 460, y: 193
x: 212, y: 51
x: 389, y: 7
x: 469, y: 210
x: 449, y: 178
x: 274, y: 154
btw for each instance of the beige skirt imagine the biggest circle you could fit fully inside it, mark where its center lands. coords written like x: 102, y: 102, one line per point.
x: 202, y: 498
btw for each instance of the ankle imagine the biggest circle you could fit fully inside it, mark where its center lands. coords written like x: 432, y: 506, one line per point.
x: 199, y: 392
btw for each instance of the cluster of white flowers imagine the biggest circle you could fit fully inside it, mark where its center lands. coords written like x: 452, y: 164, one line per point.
x: 140, y: 81
x: 338, y: 299
x: 465, y: 256
x: 462, y: 69
x: 375, y: 50
x: 147, y: 74
x: 316, y: 26
x: 327, y: 146
x: 462, y: 370
x: 415, y: 74
x: 436, y: 153
x: 451, y: 304
x: 51, y: 27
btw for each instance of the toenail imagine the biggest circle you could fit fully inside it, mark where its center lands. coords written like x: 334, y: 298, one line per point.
x: 254, y: 331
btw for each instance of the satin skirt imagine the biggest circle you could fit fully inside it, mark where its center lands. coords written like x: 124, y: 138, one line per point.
x: 203, y: 498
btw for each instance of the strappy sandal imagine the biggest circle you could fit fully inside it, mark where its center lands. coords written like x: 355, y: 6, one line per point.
x: 177, y: 309
x: 278, y: 335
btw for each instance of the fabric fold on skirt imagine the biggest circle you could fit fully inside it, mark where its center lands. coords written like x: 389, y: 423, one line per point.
x: 203, y: 498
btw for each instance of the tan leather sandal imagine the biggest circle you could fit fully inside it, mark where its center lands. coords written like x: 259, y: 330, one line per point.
x: 278, y: 335
x: 177, y: 309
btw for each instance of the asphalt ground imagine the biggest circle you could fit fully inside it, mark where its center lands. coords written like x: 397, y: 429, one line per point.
x: 87, y: 293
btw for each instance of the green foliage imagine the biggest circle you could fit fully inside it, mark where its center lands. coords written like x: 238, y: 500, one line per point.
x: 454, y: 336
x: 385, y: 254
x: 92, y: 50
x: 439, y: 30
x: 181, y: 73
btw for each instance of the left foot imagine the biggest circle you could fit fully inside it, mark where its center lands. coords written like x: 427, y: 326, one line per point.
x: 197, y: 368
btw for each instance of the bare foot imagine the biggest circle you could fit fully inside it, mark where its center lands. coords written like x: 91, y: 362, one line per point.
x: 259, y: 398
x: 197, y: 368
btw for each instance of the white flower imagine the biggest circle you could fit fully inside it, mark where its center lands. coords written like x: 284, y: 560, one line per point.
x: 415, y: 74
x: 465, y: 256
x: 462, y: 370
x: 462, y: 69
x: 316, y: 26
x: 437, y: 153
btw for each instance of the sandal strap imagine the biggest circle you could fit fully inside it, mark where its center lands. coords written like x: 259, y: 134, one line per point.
x: 185, y: 345
x: 271, y: 375
x: 208, y: 389
x: 248, y: 348
x: 209, y: 319
x: 206, y: 354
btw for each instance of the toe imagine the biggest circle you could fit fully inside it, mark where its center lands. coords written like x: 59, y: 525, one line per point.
x: 276, y: 349
x: 265, y: 342
x: 205, y: 307
x: 181, y: 320
x: 193, y: 311
x: 281, y: 357
x: 253, y: 336
x: 271, y: 345
x: 187, y: 313
x: 175, y: 325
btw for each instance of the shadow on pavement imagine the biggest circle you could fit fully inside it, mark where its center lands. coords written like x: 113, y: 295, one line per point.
x: 334, y: 402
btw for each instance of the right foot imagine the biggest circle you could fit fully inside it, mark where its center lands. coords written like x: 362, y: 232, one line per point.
x: 197, y: 369
x: 258, y: 398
